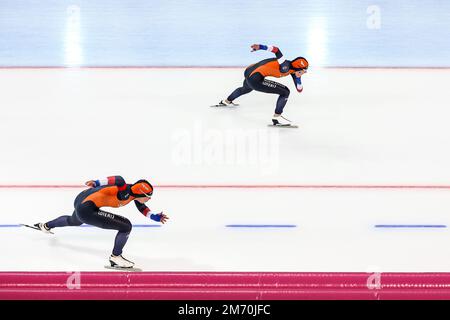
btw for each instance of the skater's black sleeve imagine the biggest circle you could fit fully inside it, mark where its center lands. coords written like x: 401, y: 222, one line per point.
x: 146, y: 212
x: 142, y: 208
x: 297, y: 82
x: 277, y: 52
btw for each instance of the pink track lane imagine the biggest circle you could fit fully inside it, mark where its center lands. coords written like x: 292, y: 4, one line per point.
x: 223, y: 285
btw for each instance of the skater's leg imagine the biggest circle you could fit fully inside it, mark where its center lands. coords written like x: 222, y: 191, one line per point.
x: 64, y: 221
x: 72, y: 220
x: 90, y: 214
x: 239, y: 92
x: 119, y: 242
x: 283, y: 92
x: 258, y: 83
x: 119, y: 223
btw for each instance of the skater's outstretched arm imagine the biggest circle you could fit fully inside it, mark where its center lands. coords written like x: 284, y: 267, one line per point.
x: 297, y: 82
x: 158, y: 217
x: 109, y: 181
x: 284, y: 64
x: 297, y: 77
x: 276, y: 50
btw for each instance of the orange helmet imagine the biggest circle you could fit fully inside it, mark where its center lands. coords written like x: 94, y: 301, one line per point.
x: 142, y: 189
x: 300, y: 63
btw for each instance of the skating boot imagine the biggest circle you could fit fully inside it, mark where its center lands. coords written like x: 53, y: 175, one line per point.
x: 120, y: 262
x: 280, y: 121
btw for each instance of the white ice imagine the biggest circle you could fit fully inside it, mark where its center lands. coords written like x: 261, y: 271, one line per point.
x: 357, y: 127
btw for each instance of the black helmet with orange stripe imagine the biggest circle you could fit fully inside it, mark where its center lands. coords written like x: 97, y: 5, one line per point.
x: 142, y: 189
x: 299, y: 63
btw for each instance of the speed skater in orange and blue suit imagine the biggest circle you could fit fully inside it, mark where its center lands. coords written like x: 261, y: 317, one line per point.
x: 111, y: 192
x: 255, y: 79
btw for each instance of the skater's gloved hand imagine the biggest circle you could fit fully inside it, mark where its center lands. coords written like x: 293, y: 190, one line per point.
x: 255, y: 47
x: 159, y: 217
x: 90, y: 183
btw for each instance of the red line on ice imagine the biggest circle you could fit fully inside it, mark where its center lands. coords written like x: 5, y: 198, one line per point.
x: 239, y: 186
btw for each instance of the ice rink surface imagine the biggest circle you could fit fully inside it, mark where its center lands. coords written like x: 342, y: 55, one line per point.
x: 358, y: 127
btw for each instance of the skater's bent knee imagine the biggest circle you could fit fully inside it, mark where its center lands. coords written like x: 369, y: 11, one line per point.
x: 74, y: 222
x: 126, y: 226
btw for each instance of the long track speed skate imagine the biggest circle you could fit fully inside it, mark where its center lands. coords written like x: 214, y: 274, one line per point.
x: 37, y: 226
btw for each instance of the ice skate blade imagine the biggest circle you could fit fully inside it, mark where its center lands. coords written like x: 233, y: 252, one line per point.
x: 288, y: 126
x: 35, y: 228
x: 124, y: 269
x: 222, y: 106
